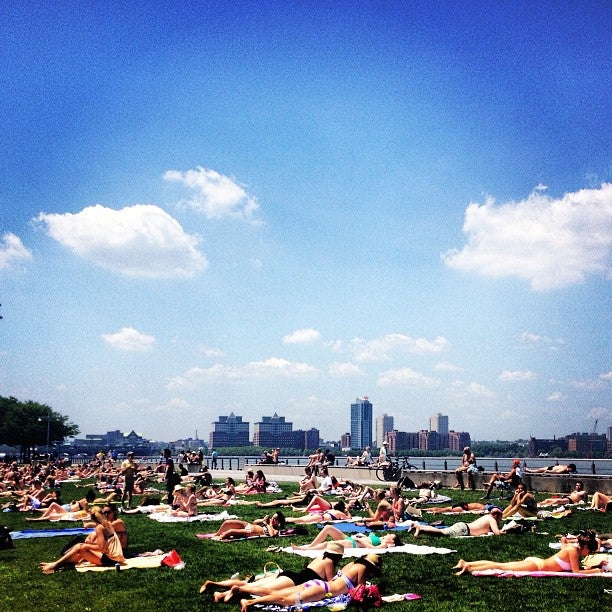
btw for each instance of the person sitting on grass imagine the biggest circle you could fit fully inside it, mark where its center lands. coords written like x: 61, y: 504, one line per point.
x: 522, y: 503
x: 185, y: 501
x: 355, y: 540
x: 223, y: 496
x: 577, y: 496
x: 488, y: 523
x: 321, y: 568
x: 566, y: 560
x: 102, y: 547
x: 267, y: 526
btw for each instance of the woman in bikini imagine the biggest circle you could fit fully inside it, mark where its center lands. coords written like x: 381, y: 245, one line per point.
x: 356, y: 540
x: 97, y: 548
x: 266, y: 527
x: 351, y: 575
x: 320, y: 510
x: 566, y: 560
x: 321, y: 568
x: 74, y: 511
x: 223, y: 497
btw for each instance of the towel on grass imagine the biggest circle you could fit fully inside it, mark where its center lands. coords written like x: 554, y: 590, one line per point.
x: 49, y: 533
x: 353, y: 527
x: 163, y: 517
x: 536, y: 574
x: 282, y: 534
x: 143, y: 562
x: 410, y: 549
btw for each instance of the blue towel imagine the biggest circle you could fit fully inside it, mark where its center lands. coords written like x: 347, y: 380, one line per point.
x: 49, y: 533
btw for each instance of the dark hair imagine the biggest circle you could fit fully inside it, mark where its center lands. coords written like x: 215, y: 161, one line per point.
x: 112, y: 508
x: 588, y: 539
x: 335, y: 558
x: 280, y: 517
x: 90, y: 496
x: 339, y: 505
x: 572, y: 467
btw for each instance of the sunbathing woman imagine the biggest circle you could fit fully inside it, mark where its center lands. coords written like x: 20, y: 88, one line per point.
x: 566, y: 560
x: 319, y: 510
x: 186, y: 501
x: 459, y: 508
x: 321, y: 568
x: 74, y: 511
x: 351, y: 575
x: 355, y: 540
x: 300, y: 499
x: 224, y: 496
x: 102, y: 547
x: 266, y: 527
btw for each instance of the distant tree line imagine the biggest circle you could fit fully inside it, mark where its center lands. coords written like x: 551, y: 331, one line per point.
x: 30, y: 425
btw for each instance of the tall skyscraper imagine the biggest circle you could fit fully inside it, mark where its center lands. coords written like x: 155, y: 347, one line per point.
x: 438, y: 422
x: 384, y: 424
x: 361, y: 423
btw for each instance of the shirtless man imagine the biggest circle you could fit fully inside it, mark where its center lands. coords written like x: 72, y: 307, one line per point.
x: 488, y: 523
x: 128, y: 470
x: 577, y: 496
x: 554, y: 469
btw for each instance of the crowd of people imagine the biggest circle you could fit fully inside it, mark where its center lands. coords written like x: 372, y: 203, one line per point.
x: 320, y: 499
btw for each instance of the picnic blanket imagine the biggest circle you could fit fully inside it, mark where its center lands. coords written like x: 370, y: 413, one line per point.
x: 49, y: 533
x: 143, y: 562
x: 163, y: 517
x: 411, y: 549
x: 510, y: 574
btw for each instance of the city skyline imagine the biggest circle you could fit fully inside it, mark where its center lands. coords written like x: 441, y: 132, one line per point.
x: 215, y: 208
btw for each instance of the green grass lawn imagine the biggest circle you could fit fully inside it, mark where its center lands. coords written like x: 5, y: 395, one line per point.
x: 23, y: 586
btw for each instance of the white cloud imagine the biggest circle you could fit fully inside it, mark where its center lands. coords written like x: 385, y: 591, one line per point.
x: 473, y: 389
x: 445, y: 366
x: 302, y: 336
x: 405, y: 377
x: 343, y: 370
x: 210, y: 351
x: 138, y: 241
x: 380, y: 348
x: 551, y: 243
x: 556, y: 396
x: 215, y: 195
x: 516, y: 375
x: 273, y: 368
x: 588, y: 384
x: 130, y: 340
x: 606, y: 375
x: 530, y: 339
x: 12, y: 251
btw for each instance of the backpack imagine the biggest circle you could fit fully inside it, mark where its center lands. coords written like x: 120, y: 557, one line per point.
x: 6, y: 541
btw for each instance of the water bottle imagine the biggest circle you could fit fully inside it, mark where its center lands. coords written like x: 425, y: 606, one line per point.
x: 117, y: 567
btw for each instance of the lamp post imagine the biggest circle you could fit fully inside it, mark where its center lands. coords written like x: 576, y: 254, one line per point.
x: 48, y: 429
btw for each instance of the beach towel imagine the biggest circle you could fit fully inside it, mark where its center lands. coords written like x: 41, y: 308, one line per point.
x: 49, y: 533
x: 142, y: 562
x: 284, y: 533
x: 353, y: 527
x: 410, y: 549
x: 508, y: 574
x: 163, y: 517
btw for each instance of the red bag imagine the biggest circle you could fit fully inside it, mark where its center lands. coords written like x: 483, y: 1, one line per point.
x: 367, y: 596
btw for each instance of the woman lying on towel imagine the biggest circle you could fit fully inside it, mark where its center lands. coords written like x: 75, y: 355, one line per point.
x: 74, y: 511
x: 321, y: 568
x: 351, y: 575
x: 319, y: 510
x: 355, y: 540
x: 102, y: 547
x: 232, y: 529
x: 566, y: 560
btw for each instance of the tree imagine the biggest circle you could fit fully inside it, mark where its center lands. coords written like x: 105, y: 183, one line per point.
x: 30, y: 424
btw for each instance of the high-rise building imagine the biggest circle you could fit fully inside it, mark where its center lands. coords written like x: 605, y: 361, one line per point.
x: 361, y: 423
x: 273, y: 431
x: 384, y: 424
x: 229, y: 431
x: 438, y: 422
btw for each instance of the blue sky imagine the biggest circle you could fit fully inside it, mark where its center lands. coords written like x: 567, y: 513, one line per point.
x: 260, y: 207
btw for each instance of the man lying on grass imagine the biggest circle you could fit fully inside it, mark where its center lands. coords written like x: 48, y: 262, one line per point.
x: 488, y: 523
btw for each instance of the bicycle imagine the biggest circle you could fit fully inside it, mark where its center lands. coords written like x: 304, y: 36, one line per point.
x: 394, y: 470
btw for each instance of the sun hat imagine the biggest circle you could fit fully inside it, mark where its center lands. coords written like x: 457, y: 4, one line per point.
x: 373, y: 561
x: 334, y: 548
x: 178, y: 488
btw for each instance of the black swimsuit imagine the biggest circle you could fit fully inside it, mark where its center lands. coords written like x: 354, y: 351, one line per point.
x: 302, y: 576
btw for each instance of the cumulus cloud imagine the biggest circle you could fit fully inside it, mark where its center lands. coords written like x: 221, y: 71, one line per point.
x: 130, y: 340
x: 405, y: 377
x: 556, y: 396
x: 552, y: 243
x: 379, y: 349
x: 215, y: 195
x: 344, y: 370
x: 302, y: 336
x: 273, y: 368
x: 138, y: 241
x: 606, y: 375
x: 516, y: 375
x: 473, y: 389
x: 12, y: 251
